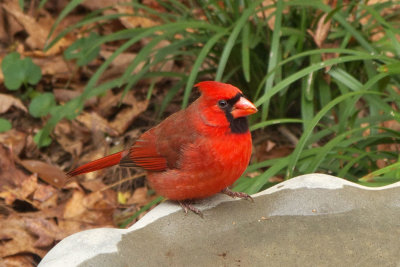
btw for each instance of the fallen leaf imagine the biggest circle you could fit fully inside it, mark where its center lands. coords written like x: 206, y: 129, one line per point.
x: 45, y: 197
x: 95, y: 208
x: 25, y: 260
x: 94, y: 122
x: 139, y: 197
x: 124, y: 118
x: 14, y: 140
x: 7, y: 101
x: 93, y: 185
x: 48, y: 173
x: 37, y: 33
x: 52, y: 65
x: 74, y: 207
x: 122, y: 197
x: 133, y: 21
x: 38, y: 30
x: 269, y: 13
x: 15, y: 239
x: 10, y: 176
x: 21, y: 190
x: 12, y: 26
x: 65, y: 95
x: 322, y: 31
x: 64, y: 137
x: 119, y: 64
x: 266, y: 151
x: 4, y: 37
x: 45, y: 230
x: 99, y: 4
x: 44, y: 192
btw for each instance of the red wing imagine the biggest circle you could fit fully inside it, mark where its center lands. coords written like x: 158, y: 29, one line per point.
x: 144, y: 154
x: 161, y: 147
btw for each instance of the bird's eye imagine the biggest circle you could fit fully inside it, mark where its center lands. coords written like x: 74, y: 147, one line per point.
x: 222, y: 103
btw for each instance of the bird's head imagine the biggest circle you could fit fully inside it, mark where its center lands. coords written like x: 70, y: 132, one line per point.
x: 224, y: 105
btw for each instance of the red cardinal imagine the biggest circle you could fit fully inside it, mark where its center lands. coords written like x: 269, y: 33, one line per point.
x: 194, y: 153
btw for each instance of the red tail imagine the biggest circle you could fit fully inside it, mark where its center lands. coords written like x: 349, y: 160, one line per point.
x: 98, y: 164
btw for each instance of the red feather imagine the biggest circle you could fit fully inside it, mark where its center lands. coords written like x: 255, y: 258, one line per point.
x: 195, y: 152
x: 98, y: 164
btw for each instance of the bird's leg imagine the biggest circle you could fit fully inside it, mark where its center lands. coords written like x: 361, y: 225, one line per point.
x: 242, y: 195
x: 187, y: 205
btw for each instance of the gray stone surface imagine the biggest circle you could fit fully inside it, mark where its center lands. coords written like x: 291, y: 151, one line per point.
x: 311, y: 220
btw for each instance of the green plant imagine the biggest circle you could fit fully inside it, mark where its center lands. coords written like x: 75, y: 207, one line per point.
x: 42, y: 104
x: 82, y: 51
x: 339, y: 96
x: 23, y: 72
x: 5, y: 125
x: 18, y: 72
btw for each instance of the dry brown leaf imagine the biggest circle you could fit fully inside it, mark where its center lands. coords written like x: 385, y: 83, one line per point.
x: 134, y: 21
x: 24, y: 260
x: 122, y: 60
x: 27, y: 187
x: 124, y: 118
x: 93, y: 185
x: 94, y: 209
x: 64, y: 136
x: 44, y: 192
x: 322, y: 31
x: 7, y: 101
x: 94, y: 122
x: 21, y: 190
x: 4, y: 38
x: 270, y: 145
x: 11, y: 26
x: 276, y: 179
x: 320, y: 35
x: 96, y: 5
x: 154, y: 4
x: 65, y: 95
x: 269, y: 12
x: 14, y: 140
x: 46, y: 231
x: 138, y: 197
x: 15, y: 238
x: 10, y: 176
x: 52, y: 65
x: 265, y: 152
x: 75, y: 207
x: 119, y: 65
x: 8, y: 196
x: 37, y: 30
x: 48, y: 173
x: 37, y: 33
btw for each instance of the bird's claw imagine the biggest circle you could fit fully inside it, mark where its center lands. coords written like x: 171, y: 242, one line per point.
x: 233, y: 194
x: 186, y: 206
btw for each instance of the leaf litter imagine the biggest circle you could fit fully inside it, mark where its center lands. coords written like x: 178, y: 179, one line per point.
x: 39, y: 204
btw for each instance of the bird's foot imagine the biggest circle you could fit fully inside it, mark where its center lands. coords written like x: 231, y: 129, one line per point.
x: 233, y: 194
x: 187, y: 205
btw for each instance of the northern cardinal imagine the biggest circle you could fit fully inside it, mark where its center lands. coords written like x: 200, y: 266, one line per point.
x: 196, y: 152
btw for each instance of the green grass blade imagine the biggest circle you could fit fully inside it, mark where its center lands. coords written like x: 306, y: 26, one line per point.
x: 273, y: 55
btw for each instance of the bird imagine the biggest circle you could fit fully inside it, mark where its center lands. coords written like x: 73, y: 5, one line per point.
x: 194, y: 153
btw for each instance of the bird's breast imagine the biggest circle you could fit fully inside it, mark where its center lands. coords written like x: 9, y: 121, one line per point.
x: 206, y: 167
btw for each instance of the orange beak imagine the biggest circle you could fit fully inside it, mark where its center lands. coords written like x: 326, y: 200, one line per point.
x: 243, y: 108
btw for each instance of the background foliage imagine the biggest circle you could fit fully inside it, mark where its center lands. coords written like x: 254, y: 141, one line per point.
x: 333, y: 74
x: 81, y: 79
